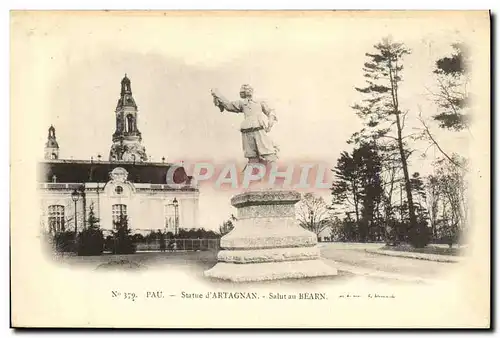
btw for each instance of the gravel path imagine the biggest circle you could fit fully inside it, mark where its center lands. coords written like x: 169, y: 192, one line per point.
x: 356, y: 256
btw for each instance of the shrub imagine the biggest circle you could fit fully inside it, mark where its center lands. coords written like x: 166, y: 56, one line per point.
x: 122, y: 239
x: 64, y: 241
x: 109, y: 243
x: 162, y: 237
x: 90, y: 242
x: 420, y: 236
x: 91, y: 239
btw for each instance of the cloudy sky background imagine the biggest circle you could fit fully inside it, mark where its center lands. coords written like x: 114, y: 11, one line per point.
x: 305, y: 67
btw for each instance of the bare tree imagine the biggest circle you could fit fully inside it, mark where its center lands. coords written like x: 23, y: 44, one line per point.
x: 450, y: 201
x: 427, y: 135
x: 433, y: 199
x: 451, y: 97
x: 67, y: 224
x: 313, y: 213
x: 454, y: 189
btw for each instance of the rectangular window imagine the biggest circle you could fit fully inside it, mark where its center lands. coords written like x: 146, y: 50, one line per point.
x: 118, y: 210
x: 56, y: 218
x: 171, y: 218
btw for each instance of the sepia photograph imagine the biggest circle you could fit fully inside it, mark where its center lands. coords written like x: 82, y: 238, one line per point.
x: 250, y: 169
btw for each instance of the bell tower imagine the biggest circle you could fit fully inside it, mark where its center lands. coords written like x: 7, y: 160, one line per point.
x: 51, y: 147
x: 127, y: 138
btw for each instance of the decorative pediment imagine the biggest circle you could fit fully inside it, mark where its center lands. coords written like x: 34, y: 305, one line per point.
x: 118, y: 175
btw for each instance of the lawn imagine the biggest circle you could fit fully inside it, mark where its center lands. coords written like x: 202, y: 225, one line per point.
x: 430, y: 249
x: 141, y: 260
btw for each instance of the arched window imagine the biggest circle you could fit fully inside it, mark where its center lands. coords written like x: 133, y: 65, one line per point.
x: 170, y: 217
x: 118, y: 211
x: 56, y: 218
x: 130, y: 123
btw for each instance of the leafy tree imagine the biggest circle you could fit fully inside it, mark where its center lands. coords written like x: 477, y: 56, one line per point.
x: 123, y: 242
x: 419, y: 197
x: 358, y: 184
x: 91, y: 239
x: 92, y: 220
x: 452, y: 96
x: 344, y: 230
x: 346, y: 186
x: 370, y: 168
x: 227, y: 226
x: 383, y: 116
x: 138, y: 238
x: 199, y: 233
x: 151, y: 237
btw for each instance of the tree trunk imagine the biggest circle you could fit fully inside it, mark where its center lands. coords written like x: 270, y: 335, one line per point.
x: 411, y: 209
x: 433, y: 229
x: 356, y: 209
x: 356, y: 202
x: 388, y: 207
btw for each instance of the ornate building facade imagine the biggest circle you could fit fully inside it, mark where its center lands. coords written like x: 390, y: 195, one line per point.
x: 153, y: 196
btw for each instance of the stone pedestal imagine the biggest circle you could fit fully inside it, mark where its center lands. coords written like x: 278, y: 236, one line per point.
x: 267, y: 241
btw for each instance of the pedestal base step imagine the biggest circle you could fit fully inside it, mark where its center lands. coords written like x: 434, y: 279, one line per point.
x: 268, y: 255
x: 270, y: 271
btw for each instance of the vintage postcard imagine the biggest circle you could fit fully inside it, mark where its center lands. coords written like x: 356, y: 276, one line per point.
x: 250, y: 169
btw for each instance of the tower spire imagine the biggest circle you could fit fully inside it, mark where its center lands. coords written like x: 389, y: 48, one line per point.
x: 126, y: 98
x: 127, y: 137
x: 51, y: 147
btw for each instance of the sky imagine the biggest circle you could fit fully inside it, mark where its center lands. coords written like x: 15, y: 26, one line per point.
x: 306, y: 68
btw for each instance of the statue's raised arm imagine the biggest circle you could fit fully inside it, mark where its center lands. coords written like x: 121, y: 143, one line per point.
x: 224, y: 104
x: 259, y: 118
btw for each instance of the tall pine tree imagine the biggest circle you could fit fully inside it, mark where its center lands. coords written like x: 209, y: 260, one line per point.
x: 383, y: 115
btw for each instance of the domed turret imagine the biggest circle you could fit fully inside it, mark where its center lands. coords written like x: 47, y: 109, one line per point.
x: 126, y: 89
x: 127, y: 137
x: 51, y: 146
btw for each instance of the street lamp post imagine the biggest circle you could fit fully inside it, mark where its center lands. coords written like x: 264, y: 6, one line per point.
x: 74, y: 196
x: 175, y: 203
x: 84, y: 199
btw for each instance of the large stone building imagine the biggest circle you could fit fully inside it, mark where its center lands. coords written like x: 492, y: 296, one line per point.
x: 153, y: 196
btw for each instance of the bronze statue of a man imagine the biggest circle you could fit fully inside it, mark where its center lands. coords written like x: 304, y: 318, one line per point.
x: 259, y: 119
